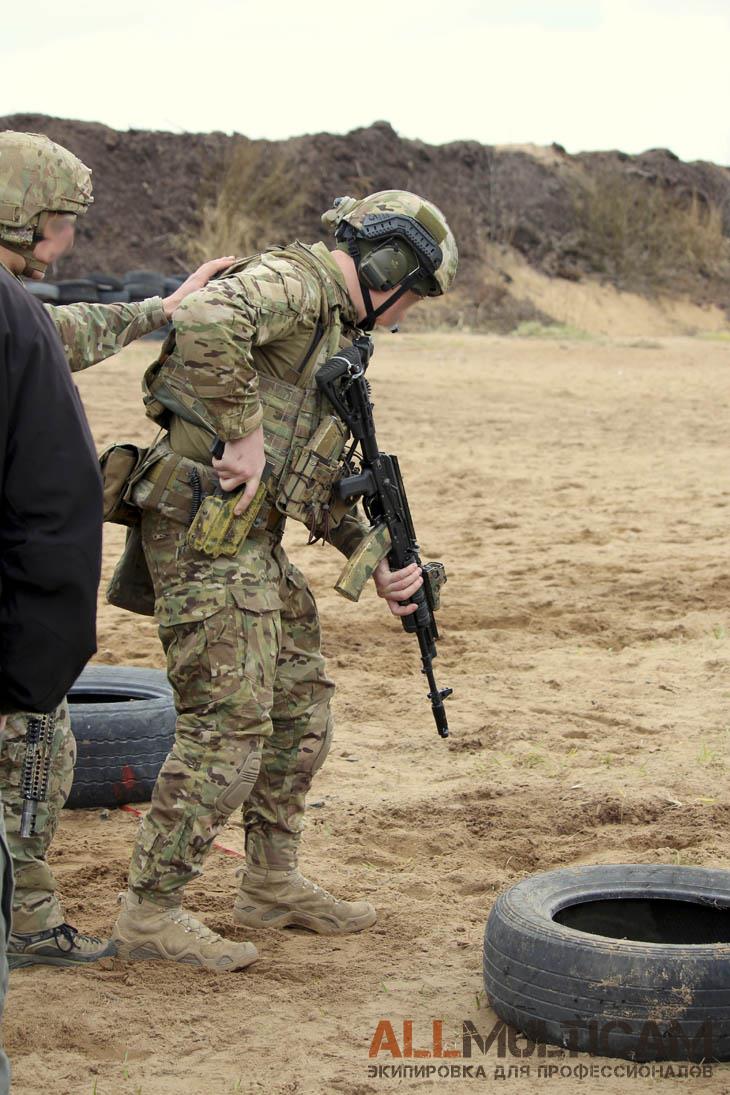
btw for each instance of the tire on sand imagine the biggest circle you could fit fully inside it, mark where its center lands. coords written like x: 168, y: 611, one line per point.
x: 123, y: 720
x: 78, y: 291
x: 621, y: 960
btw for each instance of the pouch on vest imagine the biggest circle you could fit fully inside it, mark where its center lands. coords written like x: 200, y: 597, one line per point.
x: 130, y: 586
x: 216, y: 529
x: 306, y: 489
x: 118, y: 464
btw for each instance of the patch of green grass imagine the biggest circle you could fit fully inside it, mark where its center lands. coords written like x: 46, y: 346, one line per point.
x: 530, y: 760
x: 714, y: 336
x: 708, y: 757
x: 562, y: 331
x: 682, y: 859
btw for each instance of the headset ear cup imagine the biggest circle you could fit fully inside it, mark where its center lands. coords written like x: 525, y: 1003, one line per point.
x: 386, y: 266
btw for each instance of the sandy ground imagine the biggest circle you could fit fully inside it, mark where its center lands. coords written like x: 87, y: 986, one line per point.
x: 579, y: 494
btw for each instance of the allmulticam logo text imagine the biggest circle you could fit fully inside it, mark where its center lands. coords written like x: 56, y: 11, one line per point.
x: 401, y: 1049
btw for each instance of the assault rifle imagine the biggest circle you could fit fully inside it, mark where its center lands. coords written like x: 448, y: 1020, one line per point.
x: 378, y: 482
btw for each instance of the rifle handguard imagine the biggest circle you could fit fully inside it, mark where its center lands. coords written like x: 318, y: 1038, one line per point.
x: 358, y: 569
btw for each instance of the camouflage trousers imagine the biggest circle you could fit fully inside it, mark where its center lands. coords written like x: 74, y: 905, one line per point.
x: 35, y: 904
x: 253, y: 706
x: 6, y: 885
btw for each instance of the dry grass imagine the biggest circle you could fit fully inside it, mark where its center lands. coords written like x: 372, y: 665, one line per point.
x: 645, y: 238
x: 253, y: 206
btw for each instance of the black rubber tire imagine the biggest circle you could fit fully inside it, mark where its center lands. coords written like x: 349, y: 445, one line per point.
x: 611, y: 996
x: 142, y: 284
x: 113, y: 296
x: 44, y: 291
x: 122, y: 740
x: 143, y: 290
x: 174, y: 282
x: 78, y: 291
x: 105, y: 282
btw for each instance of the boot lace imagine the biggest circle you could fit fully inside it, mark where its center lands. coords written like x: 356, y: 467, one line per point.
x: 319, y: 891
x: 196, y: 927
x: 299, y: 879
x: 73, y: 938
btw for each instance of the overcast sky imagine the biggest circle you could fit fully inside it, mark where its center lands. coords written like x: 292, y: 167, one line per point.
x: 628, y: 74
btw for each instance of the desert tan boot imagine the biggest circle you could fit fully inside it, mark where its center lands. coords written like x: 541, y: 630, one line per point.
x: 147, y: 930
x: 279, y: 899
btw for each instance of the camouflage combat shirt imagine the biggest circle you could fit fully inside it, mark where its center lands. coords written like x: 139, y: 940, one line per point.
x: 259, y: 320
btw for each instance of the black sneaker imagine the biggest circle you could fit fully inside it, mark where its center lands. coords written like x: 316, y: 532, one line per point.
x: 60, y: 946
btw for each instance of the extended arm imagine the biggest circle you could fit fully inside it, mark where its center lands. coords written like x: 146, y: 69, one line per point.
x: 91, y: 333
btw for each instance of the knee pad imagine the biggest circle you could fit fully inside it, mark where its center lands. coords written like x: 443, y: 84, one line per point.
x: 313, y: 755
x: 242, y: 782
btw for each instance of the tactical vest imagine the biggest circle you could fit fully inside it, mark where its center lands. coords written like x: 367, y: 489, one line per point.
x: 304, y: 439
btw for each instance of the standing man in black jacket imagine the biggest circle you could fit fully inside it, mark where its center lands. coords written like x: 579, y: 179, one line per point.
x: 50, y: 523
x: 50, y: 533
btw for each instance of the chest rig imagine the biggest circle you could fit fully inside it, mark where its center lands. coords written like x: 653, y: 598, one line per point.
x: 304, y: 440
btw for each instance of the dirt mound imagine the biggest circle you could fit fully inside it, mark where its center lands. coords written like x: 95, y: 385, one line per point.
x: 646, y: 223
x: 147, y: 191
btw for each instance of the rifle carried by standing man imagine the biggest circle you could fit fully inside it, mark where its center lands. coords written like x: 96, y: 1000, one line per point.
x: 378, y: 482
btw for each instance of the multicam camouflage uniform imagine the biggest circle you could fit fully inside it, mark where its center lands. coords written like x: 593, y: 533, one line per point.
x: 89, y: 333
x: 241, y: 634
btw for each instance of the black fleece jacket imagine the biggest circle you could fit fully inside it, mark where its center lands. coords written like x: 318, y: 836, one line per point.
x: 50, y: 512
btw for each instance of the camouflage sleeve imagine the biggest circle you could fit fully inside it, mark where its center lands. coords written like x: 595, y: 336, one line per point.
x: 218, y: 327
x: 349, y: 532
x: 93, y: 332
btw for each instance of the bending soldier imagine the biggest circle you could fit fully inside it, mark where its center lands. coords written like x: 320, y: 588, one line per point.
x: 241, y: 633
x: 43, y: 188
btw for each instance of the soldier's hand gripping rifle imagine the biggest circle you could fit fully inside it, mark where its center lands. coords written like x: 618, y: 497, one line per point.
x: 378, y: 482
x: 36, y: 768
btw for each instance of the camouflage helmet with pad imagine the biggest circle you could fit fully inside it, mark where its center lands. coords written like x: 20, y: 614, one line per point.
x: 37, y: 177
x: 397, y: 241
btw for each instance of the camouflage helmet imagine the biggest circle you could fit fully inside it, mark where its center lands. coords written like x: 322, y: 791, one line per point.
x: 37, y: 176
x: 419, y: 229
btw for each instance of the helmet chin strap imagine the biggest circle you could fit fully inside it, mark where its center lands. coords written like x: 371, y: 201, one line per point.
x: 26, y: 253
x: 371, y: 314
